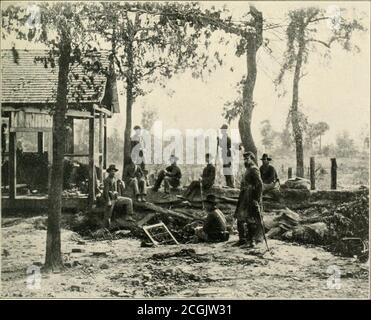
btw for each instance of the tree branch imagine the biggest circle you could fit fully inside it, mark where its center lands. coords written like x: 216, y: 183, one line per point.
x: 327, y: 45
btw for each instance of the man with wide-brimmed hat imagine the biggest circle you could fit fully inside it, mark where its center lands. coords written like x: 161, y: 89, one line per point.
x: 112, y: 195
x: 171, y: 176
x: 214, y: 228
x: 249, y: 203
x: 268, y: 174
x: 225, y: 144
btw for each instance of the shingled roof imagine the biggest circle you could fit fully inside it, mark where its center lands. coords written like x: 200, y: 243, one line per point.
x: 31, y: 77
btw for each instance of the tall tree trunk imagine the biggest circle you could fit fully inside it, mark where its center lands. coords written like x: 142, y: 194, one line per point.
x: 295, y: 119
x: 129, y: 103
x: 53, y: 258
x: 254, y: 41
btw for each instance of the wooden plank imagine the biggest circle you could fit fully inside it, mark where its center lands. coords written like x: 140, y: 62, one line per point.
x: 40, y: 142
x: 101, y: 137
x: 12, y: 165
x: 105, y: 143
x: 75, y: 155
x: 79, y: 114
x: 289, y: 173
x: 333, y: 174
x: 24, y: 129
x: 70, y: 135
x: 102, y: 110
x: 312, y: 172
x: 155, y: 208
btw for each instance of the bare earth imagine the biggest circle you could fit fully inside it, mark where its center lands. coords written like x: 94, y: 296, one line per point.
x: 125, y: 270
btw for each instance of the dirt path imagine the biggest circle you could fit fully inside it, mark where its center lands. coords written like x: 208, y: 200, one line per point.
x: 123, y: 269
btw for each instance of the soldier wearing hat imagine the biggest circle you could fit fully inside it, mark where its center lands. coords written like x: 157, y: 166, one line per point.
x: 137, y: 150
x: 249, y: 203
x: 134, y: 179
x: 112, y: 191
x: 225, y: 144
x: 214, y: 228
x: 268, y: 174
x: 171, y: 176
x: 206, y: 181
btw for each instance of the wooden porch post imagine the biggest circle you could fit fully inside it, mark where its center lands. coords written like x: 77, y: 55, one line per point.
x: 12, y: 165
x: 101, y: 137
x: 91, y: 160
x: 105, y: 143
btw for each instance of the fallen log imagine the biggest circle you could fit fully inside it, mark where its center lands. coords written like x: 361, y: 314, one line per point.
x: 152, y: 207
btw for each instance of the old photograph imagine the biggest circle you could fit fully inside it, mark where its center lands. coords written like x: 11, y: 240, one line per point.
x: 185, y: 150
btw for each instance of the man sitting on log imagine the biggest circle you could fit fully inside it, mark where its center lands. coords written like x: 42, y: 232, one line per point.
x: 269, y: 176
x: 134, y: 179
x: 206, y: 182
x: 171, y: 176
x: 215, y: 225
x: 112, y: 191
x: 249, y: 203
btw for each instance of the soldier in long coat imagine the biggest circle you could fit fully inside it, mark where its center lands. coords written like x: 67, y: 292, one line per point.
x: 249, y: 203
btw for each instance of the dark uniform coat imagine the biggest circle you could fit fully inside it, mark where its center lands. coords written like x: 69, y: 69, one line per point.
x: 250, y: 198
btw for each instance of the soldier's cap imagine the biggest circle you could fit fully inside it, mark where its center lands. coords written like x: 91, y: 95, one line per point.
x: 248, y: 154
x: 137, y: 127
x: 112, y: 167
x: 265, y: 157
x: 210, y: 198
x: 224, y: 126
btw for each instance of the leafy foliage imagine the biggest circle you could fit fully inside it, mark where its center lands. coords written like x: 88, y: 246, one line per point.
x: 305, y: 25
x: 268, y: 134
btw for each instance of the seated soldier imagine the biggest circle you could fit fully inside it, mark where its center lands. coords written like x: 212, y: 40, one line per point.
x: 171, y: 176
x: 215, y: 225
x: 269, y: 175
x: 134, y: 179
x: 207, y: 179
x: 112, y: 198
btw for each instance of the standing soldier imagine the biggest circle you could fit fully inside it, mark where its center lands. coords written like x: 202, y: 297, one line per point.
x: 249, y: 203
x: 225, y: 144
x: 137, y: 150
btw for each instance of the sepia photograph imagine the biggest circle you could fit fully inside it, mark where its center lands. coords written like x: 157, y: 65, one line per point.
x: 183, y: 150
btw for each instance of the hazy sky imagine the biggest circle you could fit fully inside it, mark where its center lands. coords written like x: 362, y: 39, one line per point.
x: 336, y: 91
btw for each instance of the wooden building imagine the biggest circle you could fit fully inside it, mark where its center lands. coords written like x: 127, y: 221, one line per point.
x: 29, y: 84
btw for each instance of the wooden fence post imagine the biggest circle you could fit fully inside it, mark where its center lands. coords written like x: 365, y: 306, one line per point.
x: 333, y: 173
x: 312, y: 171
x: 289, y: 173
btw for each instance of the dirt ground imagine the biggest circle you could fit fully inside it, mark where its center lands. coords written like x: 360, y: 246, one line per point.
x: 123, y: 269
